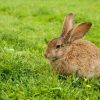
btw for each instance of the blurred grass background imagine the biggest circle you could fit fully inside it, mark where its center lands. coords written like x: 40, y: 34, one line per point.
x: 24, y: 72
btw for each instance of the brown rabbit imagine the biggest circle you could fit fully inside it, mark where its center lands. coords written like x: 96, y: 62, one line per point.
x: 69, y: 54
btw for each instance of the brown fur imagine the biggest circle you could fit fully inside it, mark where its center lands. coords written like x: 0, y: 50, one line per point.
x: 76, y: 55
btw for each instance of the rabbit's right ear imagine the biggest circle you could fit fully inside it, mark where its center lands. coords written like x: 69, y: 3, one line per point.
x: 79, y: 31
x: 68, y: 24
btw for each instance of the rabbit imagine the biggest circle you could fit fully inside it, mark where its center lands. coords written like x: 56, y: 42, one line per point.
x: 69, y: 54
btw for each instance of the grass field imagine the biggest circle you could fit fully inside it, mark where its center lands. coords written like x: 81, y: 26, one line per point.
x: 24, y: 72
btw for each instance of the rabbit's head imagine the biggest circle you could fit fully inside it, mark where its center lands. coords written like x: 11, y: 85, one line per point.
x: 57, y: 47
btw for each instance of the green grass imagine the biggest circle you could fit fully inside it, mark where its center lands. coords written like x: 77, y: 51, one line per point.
x: 24, y: 72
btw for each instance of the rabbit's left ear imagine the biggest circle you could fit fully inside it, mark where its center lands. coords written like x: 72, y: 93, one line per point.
x: 67, y: 25
x: 79, y: 31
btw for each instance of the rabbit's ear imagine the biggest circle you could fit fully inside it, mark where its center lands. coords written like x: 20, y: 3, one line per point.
x: 68, y: 24
x: 79, y: 31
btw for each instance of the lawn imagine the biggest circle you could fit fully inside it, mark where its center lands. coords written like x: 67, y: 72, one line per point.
x: 25, y: 25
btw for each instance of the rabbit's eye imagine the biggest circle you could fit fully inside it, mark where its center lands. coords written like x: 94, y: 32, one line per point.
x: 59, y: 46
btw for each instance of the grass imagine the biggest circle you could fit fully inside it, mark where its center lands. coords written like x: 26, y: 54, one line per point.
x: 24, y: 72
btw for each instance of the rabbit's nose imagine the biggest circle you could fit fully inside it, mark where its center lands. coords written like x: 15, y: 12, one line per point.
x: 47, y: 55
